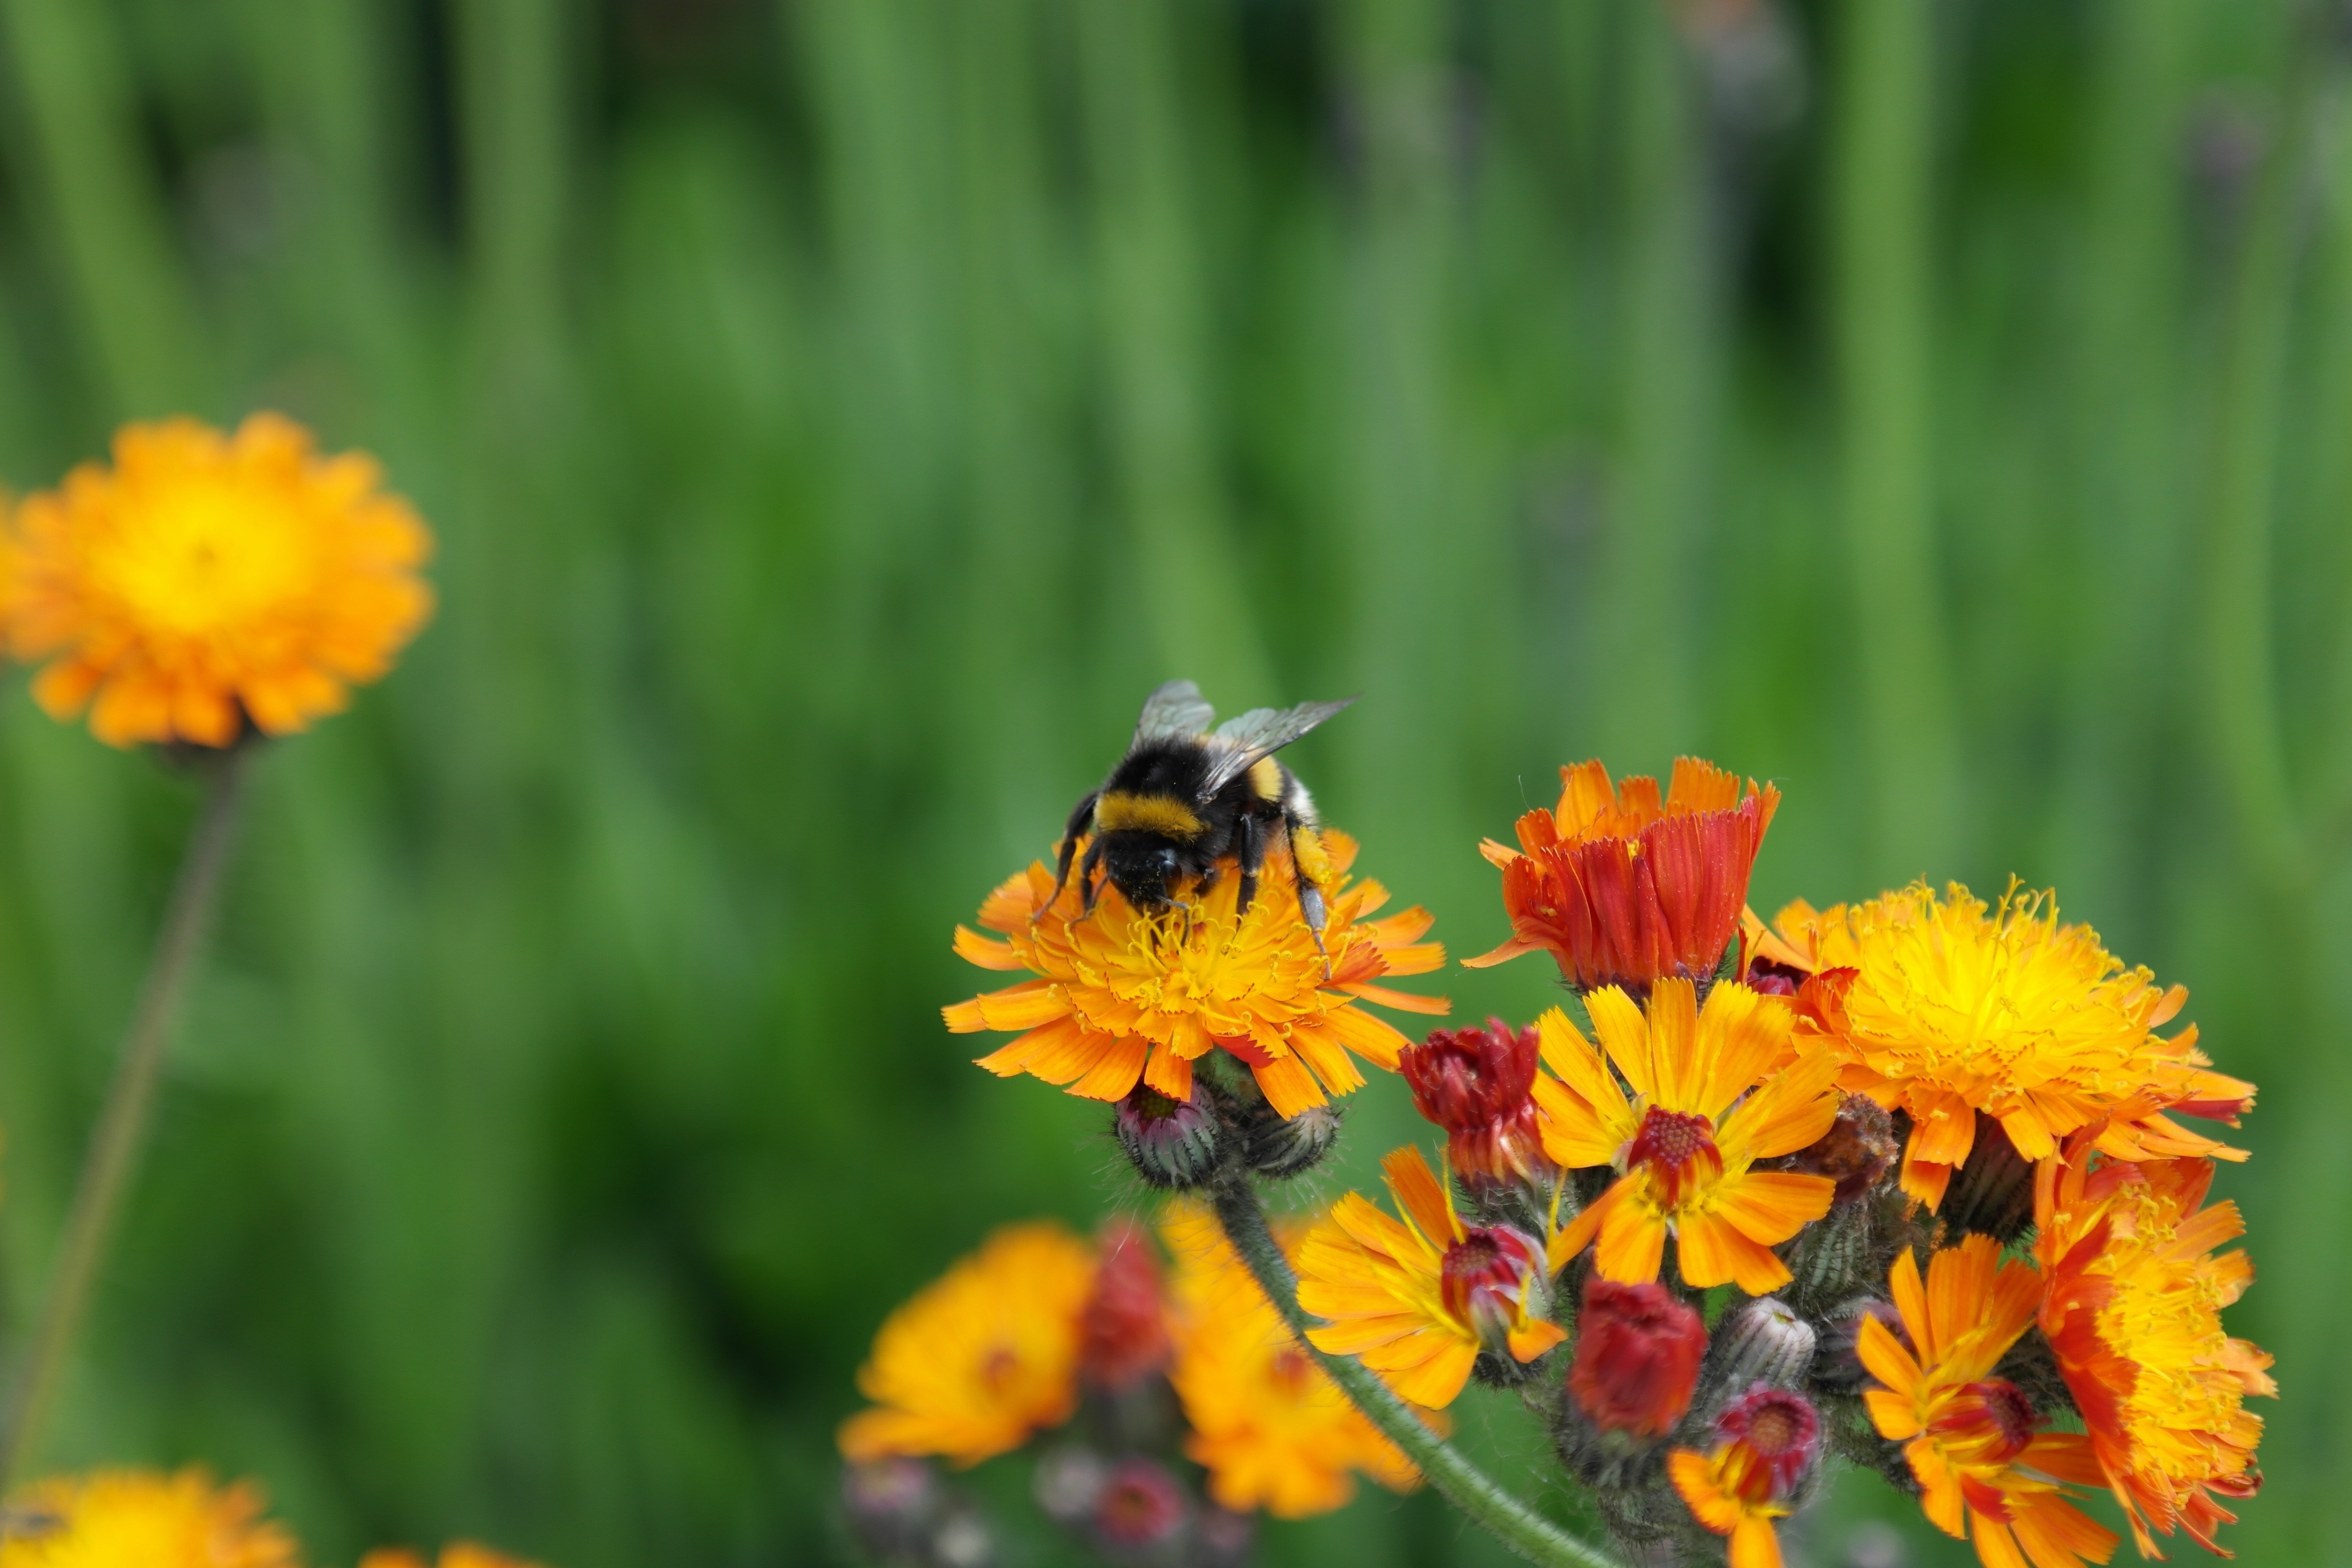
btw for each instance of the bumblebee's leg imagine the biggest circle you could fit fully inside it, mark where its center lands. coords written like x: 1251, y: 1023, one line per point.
x: 1250, y: 853
x: 1087, y: 868
x: 1312, y: 907
x: 1080, y: 820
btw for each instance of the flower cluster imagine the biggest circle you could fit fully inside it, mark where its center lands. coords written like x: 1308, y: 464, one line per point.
x: 1758, y: 1198
x: 1041, y: 1335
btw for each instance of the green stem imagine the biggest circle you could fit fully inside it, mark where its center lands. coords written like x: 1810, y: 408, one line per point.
x: 1457, y: 1480
x: 114, y: 1148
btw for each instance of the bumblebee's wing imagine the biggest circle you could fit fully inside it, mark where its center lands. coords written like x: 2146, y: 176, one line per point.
x: 1175, y: 712
x: 1243, y: 740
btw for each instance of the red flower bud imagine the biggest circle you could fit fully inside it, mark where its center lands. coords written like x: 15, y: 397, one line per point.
x: 1782, y: 1433
x: 1122, y: 1331
x: 1477, y: 1084
x: 1637, y: 1357
x: 1139, y: 1505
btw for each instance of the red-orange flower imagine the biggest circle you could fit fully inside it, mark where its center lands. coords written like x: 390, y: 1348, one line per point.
x: 2133, y: 1313
x: 1478, y: 1084
x: 1764, y: 1445
x: 1123, y: 995
x: 1622, y: 888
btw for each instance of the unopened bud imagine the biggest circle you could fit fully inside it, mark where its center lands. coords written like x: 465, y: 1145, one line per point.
x: 1761, y: 1345
x: 1638, y: 1351
x: 1139, y: 1506
x: 1170, y: 1142
x: 1290, y: 1148
x: 1838, y: 1363
x: 1992, y: 1192
x: 1857, y: 1150
x: 1478, y: 1085
x: 1122, y: 1331
x: 1068, y: 1483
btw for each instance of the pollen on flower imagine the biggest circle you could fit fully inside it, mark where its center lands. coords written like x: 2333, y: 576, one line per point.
x: 1123, y: 996
x: 205, y: 582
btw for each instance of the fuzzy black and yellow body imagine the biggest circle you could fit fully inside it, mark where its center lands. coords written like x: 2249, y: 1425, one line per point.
x: 1186, y: 798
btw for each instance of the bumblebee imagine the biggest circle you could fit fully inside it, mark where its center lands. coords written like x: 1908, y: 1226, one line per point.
x: 1184, y: 797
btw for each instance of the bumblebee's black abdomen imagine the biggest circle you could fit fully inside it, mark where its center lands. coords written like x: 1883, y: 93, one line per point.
x: 1155, y: 790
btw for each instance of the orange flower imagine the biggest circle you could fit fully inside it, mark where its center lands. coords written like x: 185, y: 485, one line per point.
x: 1944, y: 1007
x: 1765, y: 1442
x: 1622, y: 888
x: 2134, y: 1312
x: 208, y: 580
x: 1123, y: 996
x: 981, y: 1358
x: 1972, y: 1439
x: 1691, y: 1131
x: 1416, y: 1299
x: 142, y: 1518
x: 1270, y: 1427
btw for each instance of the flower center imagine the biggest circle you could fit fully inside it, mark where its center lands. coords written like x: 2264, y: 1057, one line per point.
x: 2005, y: 1420
x: 1773, y: 1432
x: 1678, y: 1151
x: 998, y: 1368
x: 1482, y: 1279
x: 1288, y: 1371
x: 195, y: 556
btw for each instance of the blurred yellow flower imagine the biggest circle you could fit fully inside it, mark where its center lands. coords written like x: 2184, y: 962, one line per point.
x: 144, y: 1518
x: 1270, y: 1427
x: 205, y: 581
x: 1943, y: 1007
x: 1123, y: 996
x: 981, y: 1358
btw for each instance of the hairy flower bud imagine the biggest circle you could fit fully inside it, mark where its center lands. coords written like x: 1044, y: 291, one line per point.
x: 1122, y: 1331
x: 1477, y: 1084
x: 1139, y: 1506
x: 1992, y: 1192
x: 1637, y: 1357
x: 1290, y: 1148
x: 1837, y: 1363
x: 1170, y: 1142
x: 1857, y: 1150
x: 1761, y: 1345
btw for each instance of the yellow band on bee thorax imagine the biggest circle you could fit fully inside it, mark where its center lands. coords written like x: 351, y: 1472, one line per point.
x: 1119, y: 812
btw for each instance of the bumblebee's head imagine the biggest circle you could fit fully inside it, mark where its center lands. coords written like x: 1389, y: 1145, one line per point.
x: 1143, y: 864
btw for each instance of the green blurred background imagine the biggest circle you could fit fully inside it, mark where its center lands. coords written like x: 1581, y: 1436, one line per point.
x: 837, y: 414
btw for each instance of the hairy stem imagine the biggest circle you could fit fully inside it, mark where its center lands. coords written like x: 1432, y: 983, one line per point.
x: 122, y: 1123
x: 1457, y: 1480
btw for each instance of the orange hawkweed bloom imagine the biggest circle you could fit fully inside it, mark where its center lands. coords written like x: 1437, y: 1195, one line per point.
x: 206, y: 581
x: 1417, y: 1299
x: 2134, y: 1312
x: 981, y: 1357
x: 1268, y: 1425
x: 1713, y: 1092
x: 1123, y: 996
x: 1764, y: 1445
x: 144, y: 1518
x: 1945, y: 1006
x: 1622, y: 888
x: 1973, y: 1440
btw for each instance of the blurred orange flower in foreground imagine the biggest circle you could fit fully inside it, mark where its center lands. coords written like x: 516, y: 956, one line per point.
x: 456, y: 1554
x: 207, y: 581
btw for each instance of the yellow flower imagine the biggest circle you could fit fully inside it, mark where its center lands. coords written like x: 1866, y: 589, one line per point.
x: 981, y: 1358
x: 206, y: 580
x: 1268, y: 1425
x: 2134, y: 1312
x: 1972, y: 1439
x: 1416, y: 1299
x: 144, y: 1518
x: 1691, y: 1131
x: 456, y: 1554
x: 1765, y: 1444
x: 1945, y: 1007
x: 1124, y: 996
